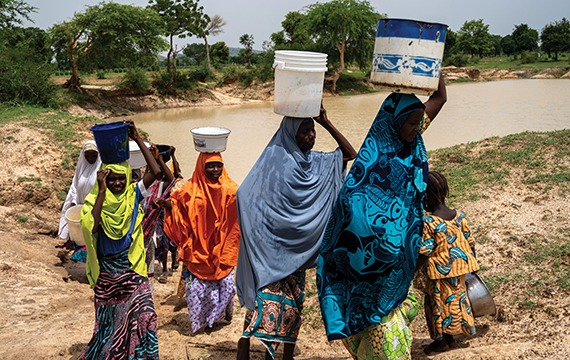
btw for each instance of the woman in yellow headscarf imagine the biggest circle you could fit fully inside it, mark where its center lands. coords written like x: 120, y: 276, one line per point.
x: 111, y: 217
x: 201, y: 218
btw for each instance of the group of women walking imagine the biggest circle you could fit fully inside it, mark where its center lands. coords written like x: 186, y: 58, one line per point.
x: 295, y: 210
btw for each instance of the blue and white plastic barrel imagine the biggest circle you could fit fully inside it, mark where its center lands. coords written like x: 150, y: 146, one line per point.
x: 408, y: 55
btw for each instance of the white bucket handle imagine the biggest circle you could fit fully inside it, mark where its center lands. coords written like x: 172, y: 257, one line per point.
x: 278, y: 64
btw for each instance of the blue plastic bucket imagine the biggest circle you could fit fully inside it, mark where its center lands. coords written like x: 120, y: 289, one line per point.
x: 408, y: 55
x: 112, y: 141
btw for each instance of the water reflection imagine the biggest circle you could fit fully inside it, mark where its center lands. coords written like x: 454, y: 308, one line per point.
x: 474, y: 111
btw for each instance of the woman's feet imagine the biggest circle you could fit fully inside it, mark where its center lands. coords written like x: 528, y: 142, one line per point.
x: 440, y: 345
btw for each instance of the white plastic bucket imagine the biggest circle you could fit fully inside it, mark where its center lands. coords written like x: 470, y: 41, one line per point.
x: 73, y: 217
x: 299, y: 78
x: 408, y: 55
x: 210, y: 139
x: 136, y: 157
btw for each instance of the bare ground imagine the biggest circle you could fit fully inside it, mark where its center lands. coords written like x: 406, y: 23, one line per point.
x: 47, y: 307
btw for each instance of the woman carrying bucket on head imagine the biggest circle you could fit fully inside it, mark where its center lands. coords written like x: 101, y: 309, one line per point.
x: 84, y: 178
x: 368, y: 255
x: 284, y: 204
x: 125, y: 318
x: 201, y: 218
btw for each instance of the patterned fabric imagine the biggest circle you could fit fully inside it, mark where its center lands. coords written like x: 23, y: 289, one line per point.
x: 209, y: 301
x: 278, y: 314
x: 125, y: 319
x: 371, y: 243
x: 390, y: 339
x: 448, y: 309
x: 284, y: 205
x: 449, y: 246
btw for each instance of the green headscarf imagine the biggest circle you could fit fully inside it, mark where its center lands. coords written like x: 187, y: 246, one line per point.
x: 116, y: 216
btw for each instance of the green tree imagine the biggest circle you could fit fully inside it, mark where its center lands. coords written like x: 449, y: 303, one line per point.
x: 13, y: 12
x: 555, y: 38
x: 508, y: 45
x: 346, y: 30
x: 32, y: 38
x: 525, y: 38
x: 195, y: 53
x: 246, y: 40
x: 215, y: 27
x: 108, y: 35
x: 220, y: 53
x: 473, y: 38
x: 181, y: 18
x: 294, y: 34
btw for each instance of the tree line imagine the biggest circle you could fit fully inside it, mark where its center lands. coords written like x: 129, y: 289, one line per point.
x: 109, y: 35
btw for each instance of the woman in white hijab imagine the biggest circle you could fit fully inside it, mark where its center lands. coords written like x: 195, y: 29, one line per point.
x: 85, y: 176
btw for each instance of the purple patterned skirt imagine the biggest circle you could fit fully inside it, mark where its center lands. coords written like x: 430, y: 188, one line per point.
x: 125, y: 319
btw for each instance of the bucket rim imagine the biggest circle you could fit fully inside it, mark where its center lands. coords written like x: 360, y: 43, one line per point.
x: 109, y: 126
x: 416, y: 21
x: 300, y: 52
x: 222, y: 131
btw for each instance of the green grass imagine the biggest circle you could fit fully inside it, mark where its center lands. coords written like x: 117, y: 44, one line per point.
x: 509, y: 63
x: 470, y: 173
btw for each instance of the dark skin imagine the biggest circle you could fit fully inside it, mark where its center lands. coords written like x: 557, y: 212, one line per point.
x: 307, y: 134
x: 305, y: 139
x: 433, y: 105
x: 116, y: 183
x: 91, y: 156
x: 213, y: 171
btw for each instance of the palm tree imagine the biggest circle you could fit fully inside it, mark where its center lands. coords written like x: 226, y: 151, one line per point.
x: 213, y: 28
x: 247, y: 41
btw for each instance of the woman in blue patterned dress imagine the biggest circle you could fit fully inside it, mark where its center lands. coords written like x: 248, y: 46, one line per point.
x: 371, y: 243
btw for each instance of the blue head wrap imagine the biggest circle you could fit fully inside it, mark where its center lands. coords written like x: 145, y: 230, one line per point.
x: 369, y: 251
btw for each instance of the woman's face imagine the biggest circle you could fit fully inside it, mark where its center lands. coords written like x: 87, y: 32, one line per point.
x: 306, y: 136
x: 411, y: 126
x: 116, y: 182
x: 91, y: 156
x: 213, y: 170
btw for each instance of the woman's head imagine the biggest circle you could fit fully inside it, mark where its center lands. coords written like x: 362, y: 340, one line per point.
x: 119, y: 176
x: 213, y: 170
x: 90, y: 152
x: 306, y: 135
x: 437, y: 190
x: 407, y: 113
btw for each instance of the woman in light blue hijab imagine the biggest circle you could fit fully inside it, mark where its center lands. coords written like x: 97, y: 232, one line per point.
x: 284, y: 204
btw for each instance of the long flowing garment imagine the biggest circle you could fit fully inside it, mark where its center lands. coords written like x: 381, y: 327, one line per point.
x: 125, y: 318
x: 83, y: 180
x: 369, y: 252
x: 284, y: 204
x: 154, y: 237
x: 203, y: 223
x: 449, y: 246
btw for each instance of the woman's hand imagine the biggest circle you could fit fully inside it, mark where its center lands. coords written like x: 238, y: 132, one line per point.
x: 133, y: 132
x: 162, y: 203
x: 154, y: 151
x: 322, y: 119
x: 102, y: 179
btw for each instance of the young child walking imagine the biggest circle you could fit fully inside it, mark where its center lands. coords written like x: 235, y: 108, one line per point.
x: 448, y: 251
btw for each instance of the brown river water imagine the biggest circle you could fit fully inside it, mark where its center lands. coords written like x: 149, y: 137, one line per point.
x: 474, y: 111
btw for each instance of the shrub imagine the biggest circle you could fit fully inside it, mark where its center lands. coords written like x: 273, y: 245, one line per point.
x: 529, y: 57
x: 135, y: 79
x: 456, y: 60
x: 101, y: 74
x: 25, y: 80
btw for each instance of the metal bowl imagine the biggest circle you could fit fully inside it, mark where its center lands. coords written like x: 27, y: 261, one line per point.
x: 482, y: 302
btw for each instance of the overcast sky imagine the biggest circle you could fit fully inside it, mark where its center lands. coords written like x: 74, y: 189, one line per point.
x: 263, y: 17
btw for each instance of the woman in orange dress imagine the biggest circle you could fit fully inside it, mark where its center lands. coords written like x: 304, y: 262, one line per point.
x: 201, y: 218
